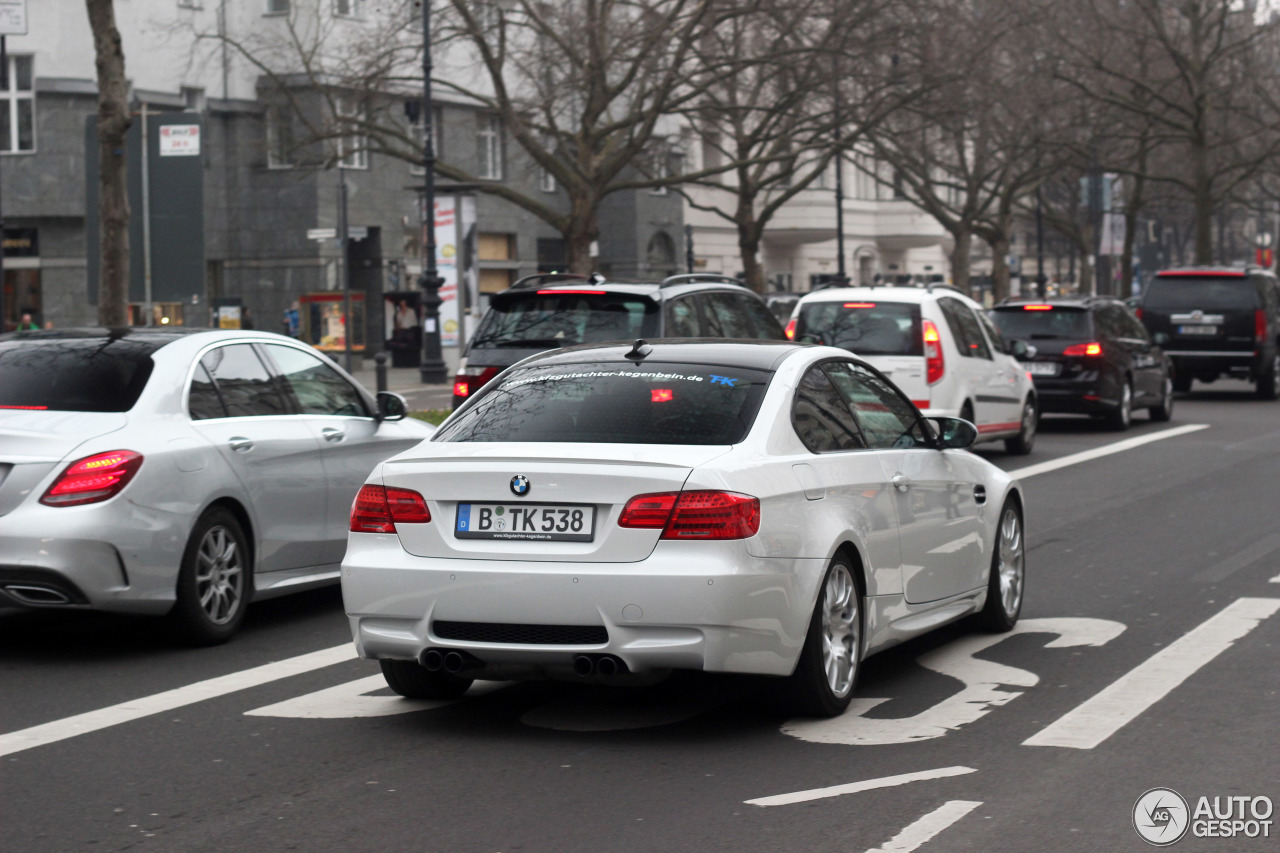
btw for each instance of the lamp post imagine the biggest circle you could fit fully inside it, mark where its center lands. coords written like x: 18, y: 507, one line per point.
x: 842, y: 278
x: 1041, y: 280
x: 432, y: 370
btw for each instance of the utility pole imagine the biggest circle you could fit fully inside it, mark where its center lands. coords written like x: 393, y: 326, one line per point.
x: 1041, y: 280
x: 432, y: 370
x: 688, y: 248
x: 344, y: 268
x: 842, y: 277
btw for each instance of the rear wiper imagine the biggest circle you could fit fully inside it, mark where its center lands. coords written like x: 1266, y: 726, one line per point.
x: 1045, y: 337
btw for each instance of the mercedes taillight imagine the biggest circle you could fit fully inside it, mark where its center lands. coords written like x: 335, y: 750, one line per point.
x: 93, y: 479
x: 694, y: 515
x: 934, y: 363
x: 377, y: 509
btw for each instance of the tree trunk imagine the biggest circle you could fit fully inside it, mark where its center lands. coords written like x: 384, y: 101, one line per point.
x: 581, y: 231
x: 113, y: 186
x: 960, y: 258
x: 999, y: 243
x: 1131, y: 210
x: 749, y: 242
x: 1203, y: 199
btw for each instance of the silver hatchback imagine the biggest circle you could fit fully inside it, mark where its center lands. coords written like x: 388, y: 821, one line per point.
x: 179, y: 472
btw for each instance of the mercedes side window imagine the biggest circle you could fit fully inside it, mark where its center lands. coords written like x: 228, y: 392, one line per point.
x: 821, y: 418
x: 682, y: 319
x: 887, y: 420
x: 246, y: 387
x: 204, y: 402
x: 317, y: 387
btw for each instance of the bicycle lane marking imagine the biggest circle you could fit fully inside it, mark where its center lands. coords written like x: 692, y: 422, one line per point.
x: 135, y: 709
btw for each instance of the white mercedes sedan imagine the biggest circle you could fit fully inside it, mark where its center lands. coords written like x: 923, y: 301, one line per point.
x: 610, y: 512
x: 179, y: 471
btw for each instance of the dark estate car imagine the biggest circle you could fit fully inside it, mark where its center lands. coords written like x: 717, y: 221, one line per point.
x: 543, y: 312
x: 1089, y: 356
x: 1218, y: 322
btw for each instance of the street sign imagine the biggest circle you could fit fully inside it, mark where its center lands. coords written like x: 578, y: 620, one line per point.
x: 179, y: 140
x: 13, y: 17
x: 354, y: 232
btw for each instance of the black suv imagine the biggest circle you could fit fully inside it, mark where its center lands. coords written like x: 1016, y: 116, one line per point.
x: 542, y: 312
x: 1089, y: 356
x: 1217, y: 322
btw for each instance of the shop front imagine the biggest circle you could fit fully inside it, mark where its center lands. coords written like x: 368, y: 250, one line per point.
x: 23, y: 298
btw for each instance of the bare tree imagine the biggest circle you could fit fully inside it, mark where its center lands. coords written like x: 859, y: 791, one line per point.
x: 113, y: 188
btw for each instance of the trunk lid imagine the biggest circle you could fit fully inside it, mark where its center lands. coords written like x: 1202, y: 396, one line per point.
x: 905, y: 371
x: 602, y: 476
x: 33, y: 443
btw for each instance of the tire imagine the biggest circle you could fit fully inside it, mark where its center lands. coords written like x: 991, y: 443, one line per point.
x: 414, y: 681
x: 1006, y: 581
x: 827, y: 672
x: 1164, y: 411
x: 215, y: 581
x: 1121, y: 416
x: 1181, y: 384
x: 1026, y: 438
x: 1269, y: 382
x: 966, y: 412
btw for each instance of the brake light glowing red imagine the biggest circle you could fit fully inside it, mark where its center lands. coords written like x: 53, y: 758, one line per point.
x: 1260, y: 325
x: 694, y: 515
x: 461, y: 389
x: 376, y: 509
x: 471, y: 380
x: 935, y: 363
x: 1137, y: 312
x: 1037, y: 307
x: 27, y: 408
x: 1083, y: 349
x: 661, y: 395
x: 859, y: 305
x: 93, y: 479
x: 567, y: 290
x: 791, y: 329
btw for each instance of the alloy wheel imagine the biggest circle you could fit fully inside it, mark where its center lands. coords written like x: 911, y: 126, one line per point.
x: 219, y: 575
x: 1126, y: 405
x: 1029, y: 422
x: 1012, y: 561
x: 841, y: 633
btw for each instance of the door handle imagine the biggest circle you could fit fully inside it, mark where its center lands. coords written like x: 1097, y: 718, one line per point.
x: 901, y: 482
x: 240, y: 444
x: 332, y: 434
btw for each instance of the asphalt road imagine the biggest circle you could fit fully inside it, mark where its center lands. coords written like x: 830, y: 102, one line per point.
x: 1146, y: 658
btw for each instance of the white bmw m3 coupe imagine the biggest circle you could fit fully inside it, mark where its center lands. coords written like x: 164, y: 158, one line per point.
x: 608, y: 510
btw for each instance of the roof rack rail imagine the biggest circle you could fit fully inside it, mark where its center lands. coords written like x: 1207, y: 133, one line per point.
x: 942, y: 285
x: 544, y: 278
x: 695, y: 277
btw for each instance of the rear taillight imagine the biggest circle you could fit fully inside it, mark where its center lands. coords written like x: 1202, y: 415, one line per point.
x: 1259, y: 325
x: 934, y: 364
x: 1137, y: 312
x: 469, y: 380
x: 377, y: 509
x: 694, y: 515
x: 791, y: 329
x: 93, y: 479
x: 1083, y: 349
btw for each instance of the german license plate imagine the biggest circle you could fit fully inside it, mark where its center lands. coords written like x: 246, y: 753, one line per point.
x: 539, y: 522
x: 1197, y: 330
x: 1041, y: 368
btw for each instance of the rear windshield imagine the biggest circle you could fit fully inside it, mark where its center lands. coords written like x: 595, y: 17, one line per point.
x: 546, y: 321
x: 73, y: 375
x: 1200, y: 292
x: 865, y: 328
x: 615, y: 403
x: 1017, y: 323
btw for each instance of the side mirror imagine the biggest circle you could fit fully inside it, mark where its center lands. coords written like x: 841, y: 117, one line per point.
x: 955, y: 433
x: 1160, y: 339
x: 391, y: 407
x: 1018, y: 350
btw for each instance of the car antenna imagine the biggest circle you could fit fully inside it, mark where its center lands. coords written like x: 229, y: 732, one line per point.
x: 639, y: 350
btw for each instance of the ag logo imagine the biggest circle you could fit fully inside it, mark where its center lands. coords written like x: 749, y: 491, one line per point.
x: 1161, y: 816
x: 520, y: 485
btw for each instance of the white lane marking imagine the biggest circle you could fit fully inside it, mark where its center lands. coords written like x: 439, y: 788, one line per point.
x: 1276, y: 579
x: 983, y: 687
x: 858, y: 787
x: 350, y: 700
x: 1104, y: 450
x: 1238, y: 561
x: 916, y: 834
x: 1123, y: 700
x: 92, y: 721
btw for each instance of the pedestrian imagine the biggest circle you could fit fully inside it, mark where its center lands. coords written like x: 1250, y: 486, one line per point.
x: 246, y: 319
x: 27, y: 324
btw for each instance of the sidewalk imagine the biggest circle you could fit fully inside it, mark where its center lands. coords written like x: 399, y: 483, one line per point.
x: 401, y: 379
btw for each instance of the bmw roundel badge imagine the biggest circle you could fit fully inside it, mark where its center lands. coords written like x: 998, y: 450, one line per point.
x: 520, y: 485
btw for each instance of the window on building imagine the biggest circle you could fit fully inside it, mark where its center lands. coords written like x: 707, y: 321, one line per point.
x: 18, y: 106
x: 346, y: 8
x: 415, y: 131
x: 712, y: 155
x: 193, y: 98
x: 277, y: 7
x: 489, y: 138
x: 353, y: 146
x: 279, y: 132
x: 661, y: 169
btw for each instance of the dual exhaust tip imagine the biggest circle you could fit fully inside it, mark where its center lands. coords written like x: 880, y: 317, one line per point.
x: 604, y: 666
x: 452, y: 662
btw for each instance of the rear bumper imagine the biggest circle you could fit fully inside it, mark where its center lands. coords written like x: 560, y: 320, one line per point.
x: 1211, y: 364
x: 707, y: 606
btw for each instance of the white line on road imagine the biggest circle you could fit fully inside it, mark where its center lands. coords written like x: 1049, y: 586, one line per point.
x: 1123, y: 700
x: 856, y: 787
x: 924, y: 829
x: 1276, y: 579
x: 1104, y: 450
x: 1240, y: 560
x: 92, y: 721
